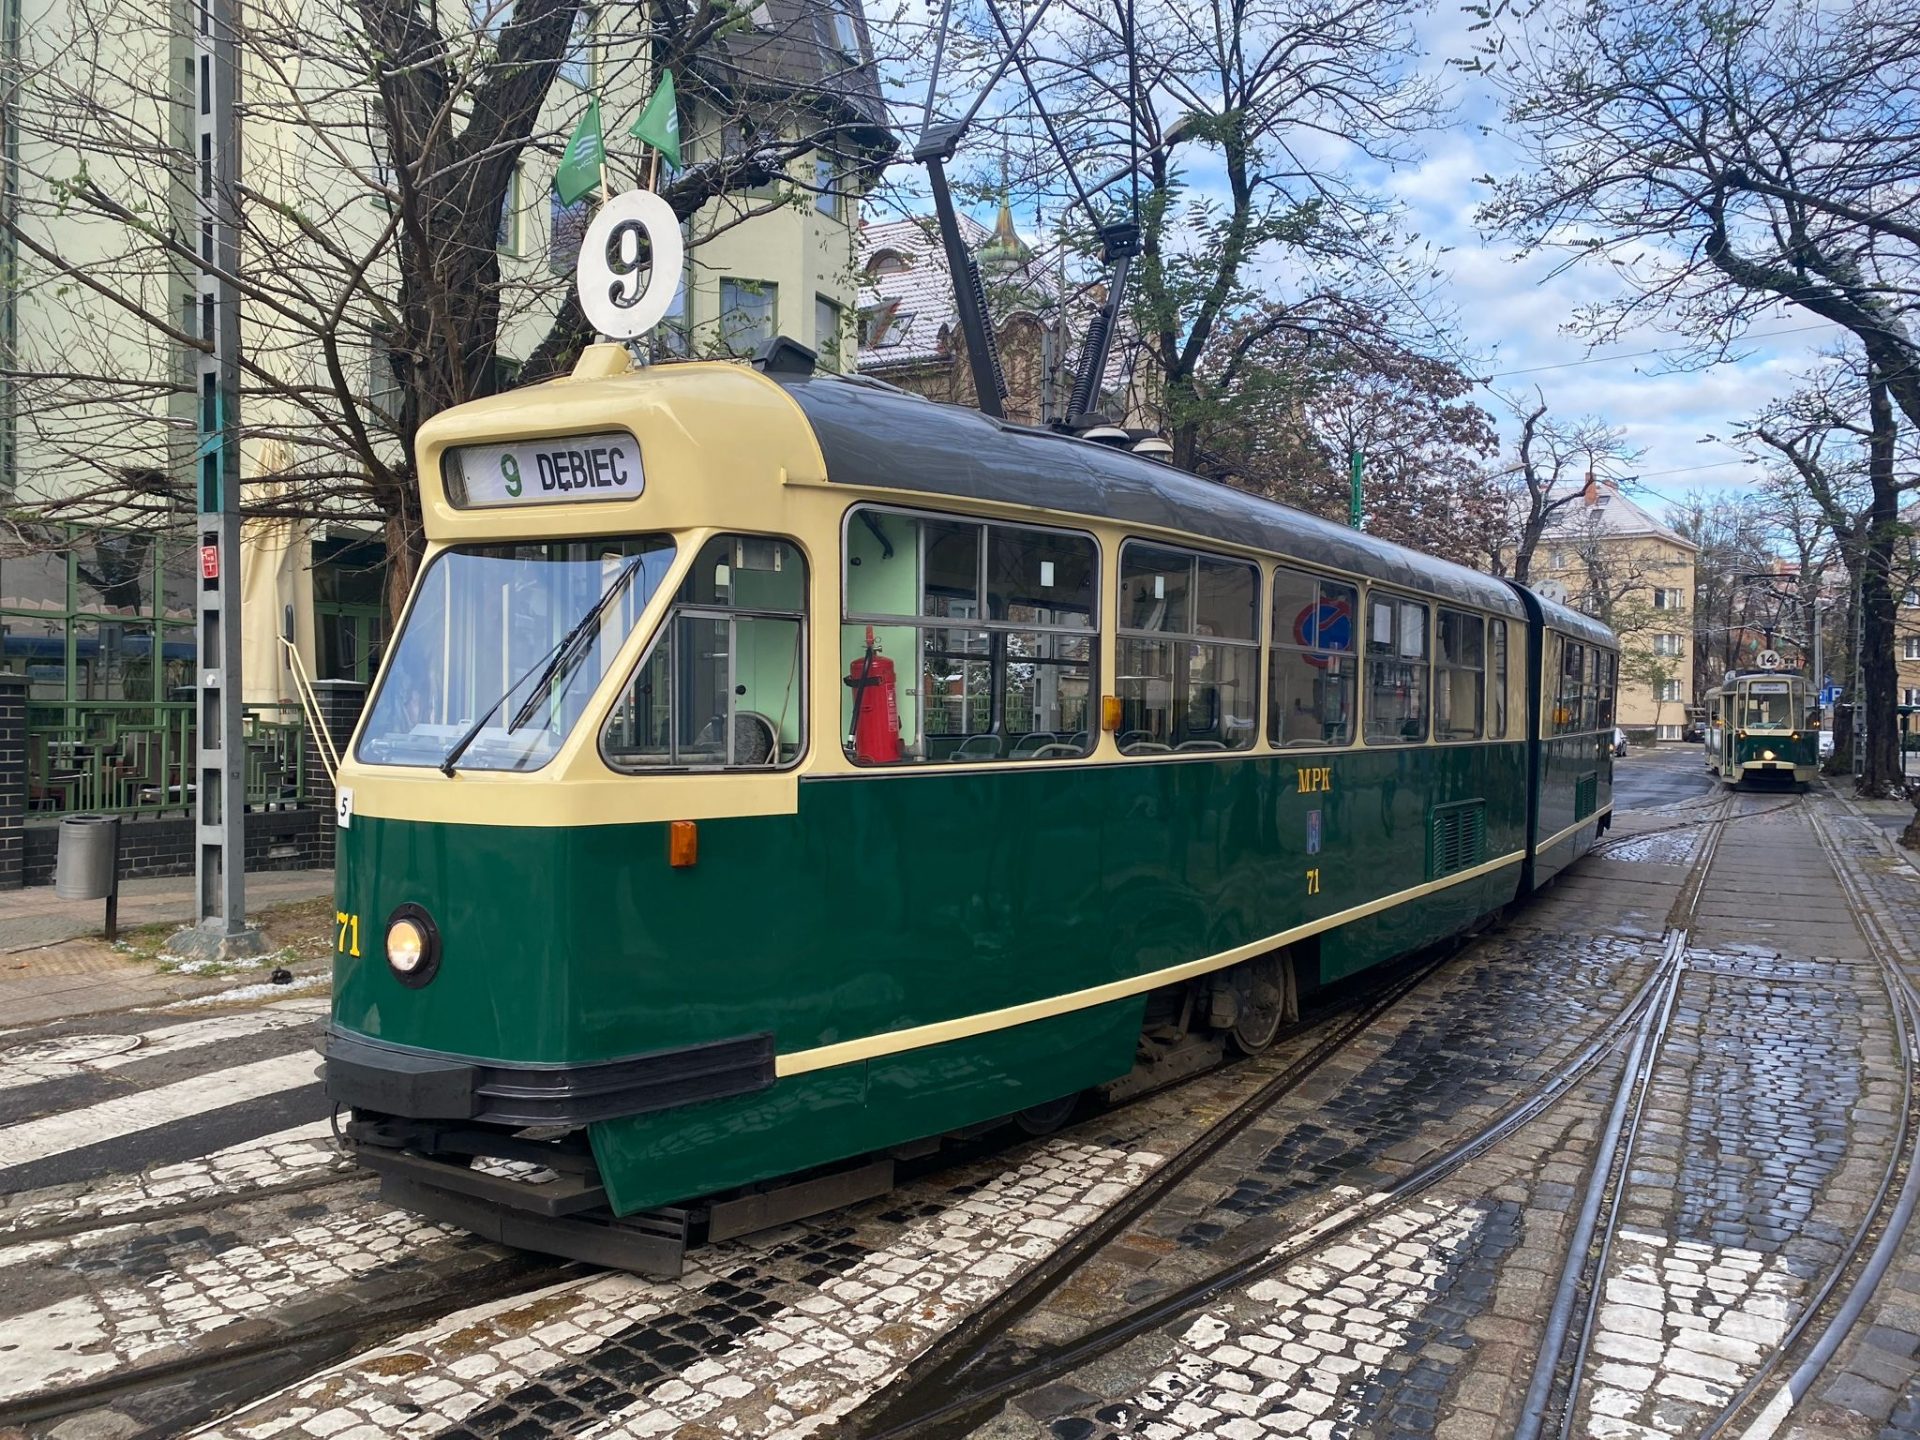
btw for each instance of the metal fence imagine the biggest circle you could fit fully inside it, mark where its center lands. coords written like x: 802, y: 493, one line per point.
x: 135, y: 757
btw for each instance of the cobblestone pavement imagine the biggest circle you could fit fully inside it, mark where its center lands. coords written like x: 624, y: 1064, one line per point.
x: 1766, y: 1130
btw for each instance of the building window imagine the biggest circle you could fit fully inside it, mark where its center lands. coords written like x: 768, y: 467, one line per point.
x: 1311, y: 663
x: 843, y: 32
x: 349, y: 608
x: 988, y: 630
x: 577, y: 66
x: 1910, y: 696
x: 1665, y: 599
x: 827, y: 331
x: 1912, y: 644
x: 1666, y: 644
x: 1668, y: 732
x: 100, y: 615
x: 1396, y: 671
x: 1189, y: 651
x: 749, y: 314
x: 1669, y: 690
x: 566, y: 228
x: 383, y: 380
x: 1557, y: 560
x: 826, y: 183
x: 506, y: 238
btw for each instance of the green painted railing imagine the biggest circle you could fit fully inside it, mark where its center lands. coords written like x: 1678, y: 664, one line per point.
x: 135, y: 757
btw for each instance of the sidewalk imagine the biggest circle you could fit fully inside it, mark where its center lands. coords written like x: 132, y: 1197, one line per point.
x: 55, y: 965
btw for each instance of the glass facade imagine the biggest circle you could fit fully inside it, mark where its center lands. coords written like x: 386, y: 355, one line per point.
x: 99, y: 614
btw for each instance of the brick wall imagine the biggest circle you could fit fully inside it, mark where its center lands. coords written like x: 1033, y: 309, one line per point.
x: 13, y: 780
x: 276, y: 840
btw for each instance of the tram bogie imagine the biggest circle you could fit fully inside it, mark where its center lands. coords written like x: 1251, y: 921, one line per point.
x: 1763, y: 726
x: 861, y: 770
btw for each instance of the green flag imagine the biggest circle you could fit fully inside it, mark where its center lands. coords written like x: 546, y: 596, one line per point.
x: 659, y: 123
x: 585, y: 159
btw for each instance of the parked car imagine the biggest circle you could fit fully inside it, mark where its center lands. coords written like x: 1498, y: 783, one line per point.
x: 1619, y: 741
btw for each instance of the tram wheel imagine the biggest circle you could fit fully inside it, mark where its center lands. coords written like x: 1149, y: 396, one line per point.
x: 1264, y: 990
x: 1047, y: 1118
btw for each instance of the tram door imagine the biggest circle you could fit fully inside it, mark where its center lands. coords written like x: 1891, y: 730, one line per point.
x: 1713, y: 730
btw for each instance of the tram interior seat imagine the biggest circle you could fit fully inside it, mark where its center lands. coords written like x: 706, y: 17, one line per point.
x: 978, y: 747
x: 1056, y: 751
x: 1200, y: 745
x: 1026, y: 746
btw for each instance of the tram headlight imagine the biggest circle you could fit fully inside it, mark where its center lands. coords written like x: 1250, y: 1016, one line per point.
x: 1766, y: 754
x: 413, y: 946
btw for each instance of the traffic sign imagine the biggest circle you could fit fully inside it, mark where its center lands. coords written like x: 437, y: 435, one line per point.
x: 1830, y: 694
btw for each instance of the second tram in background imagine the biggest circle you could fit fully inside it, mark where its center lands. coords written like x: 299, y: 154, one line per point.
x: 1763, y: 724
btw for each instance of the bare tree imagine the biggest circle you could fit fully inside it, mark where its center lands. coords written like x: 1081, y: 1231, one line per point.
x: 1330, y: 381
x: 1723, y: 159
x: 1730, y: 532
x: 1141, y: 86
x: 1837, y: 438
x: 389, y: 268
x: 1553, y: 462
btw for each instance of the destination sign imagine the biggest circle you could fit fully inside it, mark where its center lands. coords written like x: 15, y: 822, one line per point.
x: 541, y: 472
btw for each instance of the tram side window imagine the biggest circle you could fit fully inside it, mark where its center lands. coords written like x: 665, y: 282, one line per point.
x: 1497, y: 678
x: 987, y: 629
x: 1189, y: 651
x: 1311, y: 698
x: 1609, y: 688
x: 1396, y: 671
x: 1570, y: 699
x: 724, y: 685
x: 1460, y: 686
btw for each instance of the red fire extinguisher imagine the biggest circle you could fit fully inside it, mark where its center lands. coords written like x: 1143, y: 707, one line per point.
x: 876, y: 718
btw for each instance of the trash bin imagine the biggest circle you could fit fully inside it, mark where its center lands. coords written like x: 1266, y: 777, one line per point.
x: 87, y: 866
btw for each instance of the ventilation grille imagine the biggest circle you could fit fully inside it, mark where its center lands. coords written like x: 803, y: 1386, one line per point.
x: 1586, y: 794
x: 1458, y: 838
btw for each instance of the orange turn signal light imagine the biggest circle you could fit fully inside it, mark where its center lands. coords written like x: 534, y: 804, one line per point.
x: 683, y: 844
x: 1109, y: 712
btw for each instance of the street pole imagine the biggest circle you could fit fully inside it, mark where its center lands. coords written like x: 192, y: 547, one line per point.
x: 220, y: 929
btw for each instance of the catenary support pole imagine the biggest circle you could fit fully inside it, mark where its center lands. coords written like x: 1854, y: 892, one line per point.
x: 220, y: 929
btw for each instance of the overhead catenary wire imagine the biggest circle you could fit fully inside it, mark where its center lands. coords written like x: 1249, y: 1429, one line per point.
x: 1046, y: 120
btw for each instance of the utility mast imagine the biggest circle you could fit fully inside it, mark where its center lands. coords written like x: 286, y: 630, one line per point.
x: 220, y: 930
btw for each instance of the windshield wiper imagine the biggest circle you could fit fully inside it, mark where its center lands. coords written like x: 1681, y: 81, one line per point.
x: 563, y: 655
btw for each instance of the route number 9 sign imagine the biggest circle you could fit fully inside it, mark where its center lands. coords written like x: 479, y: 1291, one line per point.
x: 630, y: 265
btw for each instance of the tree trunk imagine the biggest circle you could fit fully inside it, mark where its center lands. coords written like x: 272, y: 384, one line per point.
x: 1879, y: 669
x: 406, y: 542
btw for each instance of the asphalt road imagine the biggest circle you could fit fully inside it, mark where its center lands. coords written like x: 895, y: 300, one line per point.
x: 1660, y: 775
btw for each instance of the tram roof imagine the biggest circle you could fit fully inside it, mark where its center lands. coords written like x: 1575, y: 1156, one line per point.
x: 1575, y: 623
x: 873, y: 434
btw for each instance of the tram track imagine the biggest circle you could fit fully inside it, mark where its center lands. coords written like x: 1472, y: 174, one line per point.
x: 959, y: 1383
x: 1553, y: 1400
x: 1887, y: 1218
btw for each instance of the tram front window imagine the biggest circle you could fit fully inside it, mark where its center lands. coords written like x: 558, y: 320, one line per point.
x: 1769, y: 709
x: 483, y: 646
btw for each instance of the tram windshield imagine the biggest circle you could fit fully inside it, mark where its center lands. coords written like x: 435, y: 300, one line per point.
x: 1770, y: 707
x: 480, y: 644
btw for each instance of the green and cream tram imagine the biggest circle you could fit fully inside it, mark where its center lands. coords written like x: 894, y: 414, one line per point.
x: 1763, y: 724
x: 772, y: 771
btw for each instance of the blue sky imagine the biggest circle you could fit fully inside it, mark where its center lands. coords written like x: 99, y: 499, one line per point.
x: 1508, y: 317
